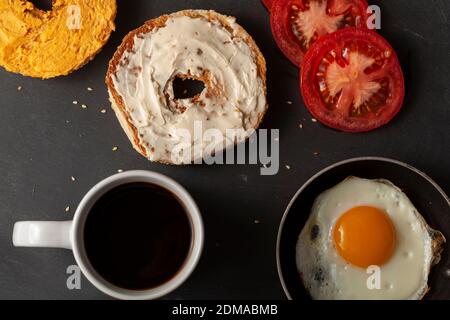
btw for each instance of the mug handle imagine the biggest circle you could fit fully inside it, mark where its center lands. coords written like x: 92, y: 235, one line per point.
x: 47, y: 234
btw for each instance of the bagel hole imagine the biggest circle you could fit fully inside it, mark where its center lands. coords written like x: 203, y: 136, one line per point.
x: 45, y: 5
x: 186, y: 88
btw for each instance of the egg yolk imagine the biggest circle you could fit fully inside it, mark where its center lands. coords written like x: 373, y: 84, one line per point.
x: 364, y: 236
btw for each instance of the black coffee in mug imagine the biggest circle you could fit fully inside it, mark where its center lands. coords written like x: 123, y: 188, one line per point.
x: 137, y: 236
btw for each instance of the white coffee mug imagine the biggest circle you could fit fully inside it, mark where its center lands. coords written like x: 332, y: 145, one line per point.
x: 69, y: 234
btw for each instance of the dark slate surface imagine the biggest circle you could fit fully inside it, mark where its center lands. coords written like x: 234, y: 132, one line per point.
x: 45, y: 139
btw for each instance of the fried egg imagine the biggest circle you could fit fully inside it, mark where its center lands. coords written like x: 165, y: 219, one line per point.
x: 365, y: 240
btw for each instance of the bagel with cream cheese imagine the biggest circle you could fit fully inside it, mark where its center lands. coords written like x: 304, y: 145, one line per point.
x: 195, y: 44
x: 46, y: 44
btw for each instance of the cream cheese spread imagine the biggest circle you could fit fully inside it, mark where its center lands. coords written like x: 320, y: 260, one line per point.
x: 234, y: 95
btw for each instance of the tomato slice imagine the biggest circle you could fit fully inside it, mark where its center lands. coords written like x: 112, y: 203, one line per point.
x: 351, y: 80
x: 267, y: 4
x: 297, y: 24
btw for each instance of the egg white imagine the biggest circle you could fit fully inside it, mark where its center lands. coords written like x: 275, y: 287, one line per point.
x: 326, y: 275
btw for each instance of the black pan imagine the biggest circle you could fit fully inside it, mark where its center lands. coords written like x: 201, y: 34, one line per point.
x: 430, y: 200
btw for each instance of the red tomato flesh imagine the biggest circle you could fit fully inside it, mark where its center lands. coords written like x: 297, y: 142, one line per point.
x: 352, y: 81
x: 297, y: 24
